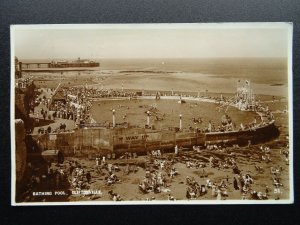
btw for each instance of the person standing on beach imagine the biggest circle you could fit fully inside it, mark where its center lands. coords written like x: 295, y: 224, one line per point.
x: 211, y: 159
x: 219, y: 196
x: 235, y: 184
x: 176, y: 150
x: 249, y: 143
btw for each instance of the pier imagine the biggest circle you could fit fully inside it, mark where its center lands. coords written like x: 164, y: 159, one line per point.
x: 35, y: 65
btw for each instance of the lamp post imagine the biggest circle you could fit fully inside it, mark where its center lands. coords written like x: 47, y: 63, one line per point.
x: 180, y: 121
x: 114, y: 118
x: 148, y: 118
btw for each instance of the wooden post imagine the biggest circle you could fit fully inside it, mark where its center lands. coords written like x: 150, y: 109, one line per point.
x: 114, y: 119
x: 180, y: 122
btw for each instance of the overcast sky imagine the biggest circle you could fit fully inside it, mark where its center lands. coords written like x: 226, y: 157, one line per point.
x: 151, y: 41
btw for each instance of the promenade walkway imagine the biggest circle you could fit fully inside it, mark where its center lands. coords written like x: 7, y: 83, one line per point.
x: 46, y: 96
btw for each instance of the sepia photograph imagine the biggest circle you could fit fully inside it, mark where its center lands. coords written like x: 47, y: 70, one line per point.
x: 119, y: 114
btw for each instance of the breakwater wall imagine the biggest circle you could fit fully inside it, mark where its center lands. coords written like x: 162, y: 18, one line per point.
x: 99, y: 140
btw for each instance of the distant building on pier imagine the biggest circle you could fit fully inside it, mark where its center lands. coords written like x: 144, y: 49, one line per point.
x: 77, y: 63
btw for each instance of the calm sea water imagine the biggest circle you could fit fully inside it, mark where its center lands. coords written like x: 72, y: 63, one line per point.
x: 268, y: 76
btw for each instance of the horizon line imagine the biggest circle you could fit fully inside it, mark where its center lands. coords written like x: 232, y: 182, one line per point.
x: 153, y: 58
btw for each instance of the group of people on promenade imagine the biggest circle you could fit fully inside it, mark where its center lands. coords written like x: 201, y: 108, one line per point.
x: 86, y: 92
x: 75, y: 109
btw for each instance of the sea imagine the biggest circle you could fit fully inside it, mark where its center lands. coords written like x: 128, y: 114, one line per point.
x: 267, y: 76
